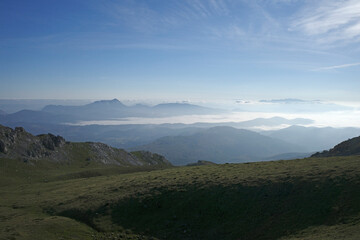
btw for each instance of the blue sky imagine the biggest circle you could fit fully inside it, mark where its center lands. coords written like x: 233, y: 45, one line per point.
x: 180, y: 49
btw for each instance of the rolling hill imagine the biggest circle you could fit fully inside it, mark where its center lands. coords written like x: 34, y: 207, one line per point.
x: 219, y: 145
x: 346, y: 148
x: 313, y: 139
x: 250, y: 124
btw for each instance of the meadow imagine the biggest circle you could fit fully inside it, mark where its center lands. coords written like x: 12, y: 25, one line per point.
x: 313, y: 198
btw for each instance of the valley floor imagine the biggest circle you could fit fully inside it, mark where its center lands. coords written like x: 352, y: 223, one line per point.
x: 315, y: 198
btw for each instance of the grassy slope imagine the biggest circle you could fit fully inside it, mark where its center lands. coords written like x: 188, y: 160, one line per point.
x: 299, y: 199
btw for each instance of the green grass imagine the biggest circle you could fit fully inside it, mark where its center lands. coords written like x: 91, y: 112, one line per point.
x: 296, y: 199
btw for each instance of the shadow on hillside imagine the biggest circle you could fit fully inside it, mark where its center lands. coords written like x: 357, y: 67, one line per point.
x: 266, y: 211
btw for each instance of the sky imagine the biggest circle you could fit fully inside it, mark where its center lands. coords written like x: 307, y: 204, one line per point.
x: 180, y: 49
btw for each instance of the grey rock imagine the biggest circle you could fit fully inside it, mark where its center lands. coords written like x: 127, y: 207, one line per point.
x: 3, y: 147
x: 19, y: 129
x: 50, y: 141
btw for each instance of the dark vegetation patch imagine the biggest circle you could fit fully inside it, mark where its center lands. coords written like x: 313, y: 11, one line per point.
x: 266, y: 211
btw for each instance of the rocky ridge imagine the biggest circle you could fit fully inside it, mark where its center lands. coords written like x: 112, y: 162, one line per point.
x: 19, y: 144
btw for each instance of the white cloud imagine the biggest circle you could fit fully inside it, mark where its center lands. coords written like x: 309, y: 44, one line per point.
x: 331, y: 21
x: 330, y: 119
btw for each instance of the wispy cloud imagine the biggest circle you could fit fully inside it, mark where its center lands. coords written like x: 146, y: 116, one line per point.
x: 331, y: 21
x: 220, y: 6
x: 269, y: 21
x: 144, y: 17
x: 338, y: 66
x: 198, y: 8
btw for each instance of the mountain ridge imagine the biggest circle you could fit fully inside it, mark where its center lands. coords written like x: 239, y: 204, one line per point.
x: 19, y: 144
x: 313, y: 138
x: 219, y: 145
x: 111, y: 109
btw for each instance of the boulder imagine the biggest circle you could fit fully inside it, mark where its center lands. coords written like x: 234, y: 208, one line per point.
x: 19, y: 129
x: 50, y: 141
x: 3, y: 148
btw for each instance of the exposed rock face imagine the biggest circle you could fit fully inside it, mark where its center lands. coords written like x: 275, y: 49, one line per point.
x: 3, y: 148
x: 19, y: 129
x: 51, y: 142
x: 109, y: 155
x: 151, y: 158
x: 22, y: 145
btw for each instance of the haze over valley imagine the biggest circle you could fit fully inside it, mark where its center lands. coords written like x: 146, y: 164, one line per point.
x: 164, y: 128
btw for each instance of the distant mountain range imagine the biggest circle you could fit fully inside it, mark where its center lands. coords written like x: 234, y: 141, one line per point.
x: 110, y: 109
x: 313, y: 139
x: 219, y: 145
x: 227, y: 144
x: 124, y: 136
x: 182, y: 143
x: 345, y: 148
x: 102, y: 110
x: 310, y: 139
x: 257, y: 122
x: 15, y: 105
x: 31, y: 116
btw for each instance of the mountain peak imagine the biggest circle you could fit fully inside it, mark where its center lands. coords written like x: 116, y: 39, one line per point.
x: 113, y: 101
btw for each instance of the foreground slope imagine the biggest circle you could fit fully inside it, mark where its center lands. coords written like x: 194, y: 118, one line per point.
x: 316, y: 198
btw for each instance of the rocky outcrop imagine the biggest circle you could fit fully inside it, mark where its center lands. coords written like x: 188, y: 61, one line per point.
x: 3, y: 148
x: 151, y: 158
x: 51, y: 142
x: 108, y: 155
x: 18, y: 143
